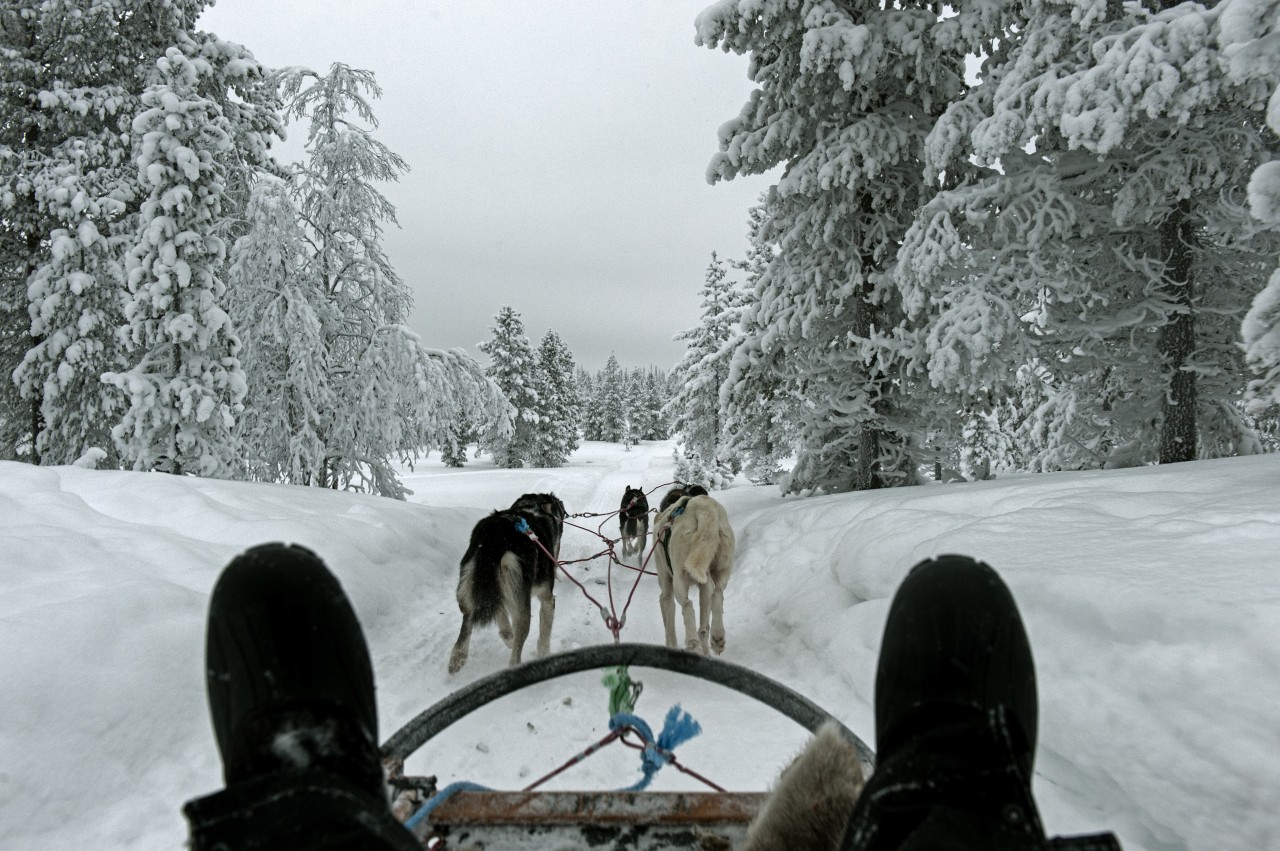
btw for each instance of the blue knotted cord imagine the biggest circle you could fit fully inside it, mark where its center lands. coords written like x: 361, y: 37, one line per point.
x: 677, y: 728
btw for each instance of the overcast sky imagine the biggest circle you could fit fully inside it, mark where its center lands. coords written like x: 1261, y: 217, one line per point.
x: 558, y: 154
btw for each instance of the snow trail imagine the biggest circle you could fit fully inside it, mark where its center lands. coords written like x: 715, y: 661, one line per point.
x: 1150, y: 596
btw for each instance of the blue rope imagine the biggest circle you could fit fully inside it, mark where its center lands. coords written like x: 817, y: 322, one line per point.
x: 440, y: 797
x: 522, y: 525
x: 677, y: 728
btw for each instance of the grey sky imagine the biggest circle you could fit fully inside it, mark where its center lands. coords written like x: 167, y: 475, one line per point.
x: 558, y: 154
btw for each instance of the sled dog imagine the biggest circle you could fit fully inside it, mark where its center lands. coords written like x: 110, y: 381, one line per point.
x: 504, y: 568
x: 695, y: 546
x: 633, y: 518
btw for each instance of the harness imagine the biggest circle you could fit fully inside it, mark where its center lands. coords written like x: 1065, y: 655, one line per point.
x: 665, y: 538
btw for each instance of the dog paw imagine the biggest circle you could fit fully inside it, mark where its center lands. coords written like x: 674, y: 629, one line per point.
x: 456, y: 661
x: 717, y: 644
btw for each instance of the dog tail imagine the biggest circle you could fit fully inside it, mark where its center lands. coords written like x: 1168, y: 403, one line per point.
x: 490, y: 576
x: 701, y: 529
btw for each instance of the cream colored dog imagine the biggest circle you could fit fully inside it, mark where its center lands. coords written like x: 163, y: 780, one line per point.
x: 694, y: 547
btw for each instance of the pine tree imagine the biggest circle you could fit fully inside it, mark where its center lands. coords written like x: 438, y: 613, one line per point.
x: 702, y: 372
x: 514, y: 369
x: 72, y: 81
x: 558, y: 409
x: 1248, y: 34
x: 1112, y: 252
x: 186, y: 385
x: 591, y: 427
x: 846, y: 94
x: 610, y: 401
x: 755, y: 404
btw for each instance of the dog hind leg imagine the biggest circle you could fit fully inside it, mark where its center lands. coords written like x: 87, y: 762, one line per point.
x: 515, y: 599
x: 466, y: 605
x: 546, y: 616
x: 458, y: 657
x: 717, y: 614
x: 705, y: 600
x: 666, y: 603
x: 504, y: 626
x: 680, y: 585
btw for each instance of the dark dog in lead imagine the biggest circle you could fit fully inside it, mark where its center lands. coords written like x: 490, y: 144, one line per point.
x: 504, y: 568
x: 633, y: 518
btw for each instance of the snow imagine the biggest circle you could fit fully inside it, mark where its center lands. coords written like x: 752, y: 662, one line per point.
x: 1151, y: 596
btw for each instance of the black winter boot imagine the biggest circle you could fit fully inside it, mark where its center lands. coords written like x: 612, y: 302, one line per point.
x: 956, y: 721
x: 291, y: 696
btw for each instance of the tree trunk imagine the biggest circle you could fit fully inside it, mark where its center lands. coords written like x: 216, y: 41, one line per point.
x: 1178, y: 339
x: 868, y: 474
x: 37, y: 396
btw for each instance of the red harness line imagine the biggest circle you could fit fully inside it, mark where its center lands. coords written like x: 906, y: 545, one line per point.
x: 612, y: 621
x: 614, y: 624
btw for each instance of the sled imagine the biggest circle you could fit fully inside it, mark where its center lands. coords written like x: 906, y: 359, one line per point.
x: 642, y: 820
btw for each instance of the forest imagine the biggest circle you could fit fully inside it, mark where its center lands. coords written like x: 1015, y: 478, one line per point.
x: 1005, y: 238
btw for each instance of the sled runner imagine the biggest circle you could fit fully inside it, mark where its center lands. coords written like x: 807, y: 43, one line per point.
x: 471, y: 817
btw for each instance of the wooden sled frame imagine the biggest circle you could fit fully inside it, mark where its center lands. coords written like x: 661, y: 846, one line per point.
x: 635, y: 820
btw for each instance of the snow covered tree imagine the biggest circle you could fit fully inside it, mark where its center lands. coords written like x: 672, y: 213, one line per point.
x: 76, y: 303
x: 654, y: 424
x: 284, y: 318
x: 1248, y: 33
x: 339, y: 388
x: 846, y: 92
x: 186, y: 384
x: 694, y: 408
x: 610, y: 401
x: 71, y: 81
x: 558, y: 410
x: 514, y: 368
x: 755, y: 405
x: 1115, y: 249
x: 586, y: 382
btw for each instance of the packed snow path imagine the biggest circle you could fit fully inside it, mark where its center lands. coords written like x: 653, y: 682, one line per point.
x: 1151, y: 596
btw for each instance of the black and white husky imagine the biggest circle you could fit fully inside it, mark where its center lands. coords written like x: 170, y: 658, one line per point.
x: 504, y: 568
x: 633, y: 519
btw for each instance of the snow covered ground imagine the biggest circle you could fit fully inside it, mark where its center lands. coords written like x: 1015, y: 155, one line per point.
x: 1152, y: 597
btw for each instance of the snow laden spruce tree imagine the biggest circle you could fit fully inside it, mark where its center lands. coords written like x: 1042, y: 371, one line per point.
x: 185, y: 385
x: 558, y: 410
x: 1248, y: 33
x: 610, y: 402
x: 754, y: 403
x: 513, y: 367
x: 1106, y: 239
x: 846, y: 92
x: 73, y: 73
x: 339, y: 388
x: 694, y: 407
